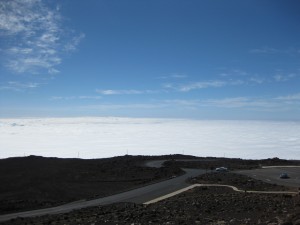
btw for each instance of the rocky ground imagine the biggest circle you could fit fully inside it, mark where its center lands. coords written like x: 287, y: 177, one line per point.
x: 206, y: 205
x: 240, y: 181
x: 211, y: 163
x: 37, y: 182
x: 203, y: 205
x: 34, y: 182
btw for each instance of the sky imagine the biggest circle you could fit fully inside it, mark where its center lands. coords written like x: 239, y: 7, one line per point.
x: 203, y: 59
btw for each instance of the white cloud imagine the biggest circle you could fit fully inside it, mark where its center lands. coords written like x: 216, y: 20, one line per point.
x: 236, y: 102
x: 62, y: 98
x: 182, y: 102
x: 270, y: 50
x: 89, y: 97
x: 138, y: 106
x: 238, y: 72
x: 243, y: 102
x: 119, y: 92
x: 258, y: 80
x: 174, y: 76
x: 53, y: 71
x: 179, y: 76
x: 233, y: 77
x: 248, y: 103
x: 233, y: 73
x: 126, y: 92
x: 34, y: 36
x: 82, y: 97
x: 257, y: 104
x: 264, y: 50
x: 239, y: 77
x: 168, y: 86
x: 72, y: 45
x: 202, y: 85
x: 294, y: 97
x: 18, y: 86
x: 228, y: 102
x: 282, y: 78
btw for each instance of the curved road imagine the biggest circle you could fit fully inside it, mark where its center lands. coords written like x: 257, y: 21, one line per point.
x: 160, y: 190
x: 139, y: 195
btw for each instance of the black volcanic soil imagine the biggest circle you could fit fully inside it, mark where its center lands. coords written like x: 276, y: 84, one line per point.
x: 240, y: 181
x: 205, y: 205
x: 34, y: 182
x: 37, y: 182
x: 211, y: 163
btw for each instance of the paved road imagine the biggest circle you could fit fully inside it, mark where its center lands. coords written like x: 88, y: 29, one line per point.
x: 150, y: 192
x: 271, y: 175
x: 159, y: 163
x: 139, y: 195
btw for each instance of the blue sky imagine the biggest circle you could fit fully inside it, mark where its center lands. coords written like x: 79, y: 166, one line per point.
x: 204, y: 59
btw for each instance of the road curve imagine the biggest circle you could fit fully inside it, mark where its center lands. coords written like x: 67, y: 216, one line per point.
x: 139, y: 195
x: 154, y: 192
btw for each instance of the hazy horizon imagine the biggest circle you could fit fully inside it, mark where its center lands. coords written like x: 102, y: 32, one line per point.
x: 103, y: 137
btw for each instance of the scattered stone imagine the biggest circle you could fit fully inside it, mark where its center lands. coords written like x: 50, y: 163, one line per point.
x: 203, y: 205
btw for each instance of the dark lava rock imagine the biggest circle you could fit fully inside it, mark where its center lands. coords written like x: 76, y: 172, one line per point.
x: 213, y: 205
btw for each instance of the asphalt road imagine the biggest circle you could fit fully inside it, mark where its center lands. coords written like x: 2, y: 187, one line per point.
x: 153, y: 191
x: 271, y: 175
x: 139, y: 195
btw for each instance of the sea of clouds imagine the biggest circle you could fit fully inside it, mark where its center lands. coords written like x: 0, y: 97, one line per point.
x: 107, y: 136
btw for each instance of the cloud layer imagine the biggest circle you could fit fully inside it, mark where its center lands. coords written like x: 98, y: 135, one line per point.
x: 107, y: 137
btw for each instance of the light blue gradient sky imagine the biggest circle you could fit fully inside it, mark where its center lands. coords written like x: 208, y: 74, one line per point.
x: 208, y: 59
